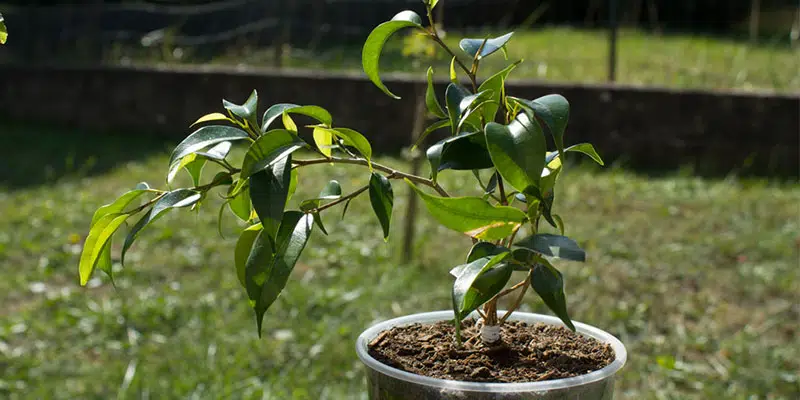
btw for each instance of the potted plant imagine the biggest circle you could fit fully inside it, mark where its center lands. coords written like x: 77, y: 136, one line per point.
x: 475, y: 350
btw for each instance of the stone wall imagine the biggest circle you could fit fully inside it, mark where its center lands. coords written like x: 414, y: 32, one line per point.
x: 715, y: 132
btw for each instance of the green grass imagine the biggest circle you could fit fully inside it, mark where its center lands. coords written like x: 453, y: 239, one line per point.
x: 699, y: 278
x: 561, y: 54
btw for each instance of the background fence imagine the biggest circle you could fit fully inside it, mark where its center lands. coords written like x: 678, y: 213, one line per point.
x: 328, y: 33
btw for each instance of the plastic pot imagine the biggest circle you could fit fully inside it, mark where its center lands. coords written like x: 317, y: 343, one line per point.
x: 388, y: 383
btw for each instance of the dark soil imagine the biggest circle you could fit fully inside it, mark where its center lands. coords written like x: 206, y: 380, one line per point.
x: 527, y: 353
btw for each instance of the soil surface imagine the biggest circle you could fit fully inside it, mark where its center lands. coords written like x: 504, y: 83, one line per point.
x: 526, y: 353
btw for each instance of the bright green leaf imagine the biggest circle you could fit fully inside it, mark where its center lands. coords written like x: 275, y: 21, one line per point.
x: 472, y: 215
x: 99, y: 235
x: 218, y: 152
x: 518, y: 151
x: 430, y: 97
x: 211, y: 117
x: 204, y: 137
x: 549, y: 285
x: 273, y: 113
x: 495, y: 83
x: 453, y: 76
x: 371, y: 53
x: 323, y: 138
x: 356, y: 140
x: 553, y: 246
x: 118, y: 206
x: 239, y: 203
x: 3, y: 31
x: 381, y: 197
x: 479, y: 250
x: 471, y: 46
x: 288, y: 123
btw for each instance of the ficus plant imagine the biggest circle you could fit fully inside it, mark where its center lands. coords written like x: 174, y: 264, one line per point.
x: 3, y: 31
x: 501, y: 139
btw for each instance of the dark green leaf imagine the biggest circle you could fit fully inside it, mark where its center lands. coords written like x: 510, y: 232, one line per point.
x: 553, y: 246
x: 518, y: 151
x: 370, y: 55
x: 269, y: 189
x: 204, y: 137
x: 479, y: 250
x: 454, y: 94
x: 471, y: 46
x: 247, y: 111
x: 382, y: 199
x: 318, y: 222
x: 240, y: 203
x: 430, y: 97
x: 356, y: 140
x: 96, y: 241
x: 177, y: 198
x: 243, y: 247
x: 584, y: 148
x: 472, y: 215
x: 273, y: 113
x: 549, y: 285
x: 268, y: 149
x: 292, y: 238
x: 463, y: 152
x: 479, y: 281
x: 553, y: 109
x: 495, y: 83
x: 436, y: 125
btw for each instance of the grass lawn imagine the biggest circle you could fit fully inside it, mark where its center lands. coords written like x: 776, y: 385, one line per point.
x: 563, y: 54
x: 699, y: 278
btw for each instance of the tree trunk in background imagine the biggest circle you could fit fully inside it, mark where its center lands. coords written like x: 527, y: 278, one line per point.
x: 420, y: 119
x: 755, y: 11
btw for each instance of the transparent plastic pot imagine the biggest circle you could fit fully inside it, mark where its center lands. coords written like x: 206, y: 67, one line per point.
x: 388, y: 383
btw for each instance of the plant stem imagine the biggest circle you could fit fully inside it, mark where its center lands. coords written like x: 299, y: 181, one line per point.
x: 502, y: 189
x: 340, y: 200
x: 525, y: 284
x: 434, y: 34
x: 392, y: 173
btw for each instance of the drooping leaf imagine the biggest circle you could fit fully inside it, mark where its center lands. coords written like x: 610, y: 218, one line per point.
x: 177, y: 198
x: 495, y: 83
x: 239, y: 203
x: 454, y: 94
x: 356, y: 140
x: 269, y: 148
x: 479, y: 281
x: 96, y: 241
x: 269, y: 189
x: 318, y: 222
x: 463, y: 152
x: 518, y: 151
x: 323, y: 138
x: 381, y: 197
x: 549, y: 285
x: 204, y: 137
x: 559, y: 222
x: 118, y: 206
x: 292, y: 237
x: 473, y: 216
x: 211, y: 117
x: 479, y: 250
x: 553, y: 246
x: 243, y: 247
x: 371, y: 53
x: 471, y: 46
x: 430, y: 97
x: 273, y: 113
x: 246, y: 111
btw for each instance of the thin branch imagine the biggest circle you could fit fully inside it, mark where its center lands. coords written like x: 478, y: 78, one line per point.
x: 518, y: 301
x: 392, y: 173
x: 340, y: 200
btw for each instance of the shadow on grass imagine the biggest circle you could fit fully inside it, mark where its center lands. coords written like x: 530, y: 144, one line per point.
x: 37, y: 154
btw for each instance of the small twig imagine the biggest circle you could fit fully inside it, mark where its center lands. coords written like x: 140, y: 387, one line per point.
x: 340, y: 200
x: 518, y: 301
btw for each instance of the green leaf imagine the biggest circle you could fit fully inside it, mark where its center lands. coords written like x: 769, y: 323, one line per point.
x: 118, y: 206
x: 553, y: 109
x: 382, y: 199
x: 453, y: 76
x: 195, y: 170
x: 433, y: 3
x: 211, y: 117
x: 495, y: 83
x: 473, y: 216
x: 318, y: 113
x: 454, y: 94
x: 323, y: 138
x: 96, y: 241
x: 518, y: 151
x: 436, y: 125
x: 331, y: 191
x: 559, y: 222
x: 479, y: 250
x: 243, y: 247
x: 553, y: 246
x: 479, y: 281
x: 269, y: 148
x: 194, y: 166
x: 371, y: 53
x: 318, y: 222
x: 218, y: 152
x: 3, y: 31
x: 549, y: 285
x: 356, y: 140
x: 472, y: 46
x: 430, y: 97
x: 288, y: 123
x: 584, y: 148
x: 239, y: 203
x: 268, y: 191
x: 177, y: 198
x: 204, y: 137
x: 273, y: 113
x: 104, y: 262
x: 292, y: 237
x: 463, y: 152
x: 246, y: 111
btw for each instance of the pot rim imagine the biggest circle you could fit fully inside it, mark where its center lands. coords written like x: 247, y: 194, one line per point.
x: 362, y: 348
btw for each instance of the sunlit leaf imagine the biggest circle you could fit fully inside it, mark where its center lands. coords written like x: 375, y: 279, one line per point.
x: 273, y: 113
x: 478, y: 281
x: 430, y: 97
x: 553, y: 246
x: 323, y: 138
x: 211, y: 117
x: 471, y: 46
x: 119, y: 205
x: 479, y: 250
x: 269, y: 148
x: 371, y: 53
x: 518, y: 151
x: 239, y: 203
x: 495, y: 84
x: 356, y: 140
x: 246, y: 111
x: 95, y: 242
x: 204, y: 137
